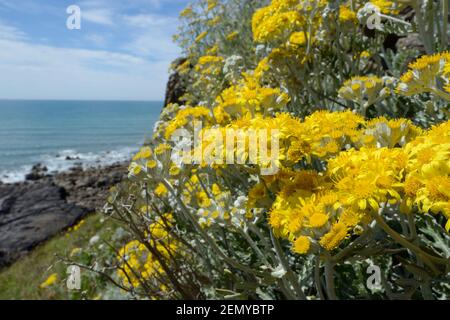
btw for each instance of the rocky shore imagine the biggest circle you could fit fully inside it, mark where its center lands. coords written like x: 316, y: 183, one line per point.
x: 47, y: 203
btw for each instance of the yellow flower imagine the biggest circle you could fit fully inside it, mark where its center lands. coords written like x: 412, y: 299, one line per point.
x: 299, y: 38
x: 333, y: 239
x: 201, y: 36
x: 301, y: 245
x: 161, y: 148
x: 137, y: 169
x: 187, y: 12
x: 151, y: 164
x: 209, y: 59
x: 161, y: 190
x: 318, y: 220
x: 174, y: 170
x: 347, y: 15
x: 144, y: 153
x: 51, y: 280
x: 203, y: 200
x: 77, y: 226
x: 386, y: 6
x: 183, y: 119
x: 216, y: 189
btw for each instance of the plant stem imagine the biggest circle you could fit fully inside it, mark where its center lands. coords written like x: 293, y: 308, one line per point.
x: 444, y: 36
x: 317, y: 279
x: 329, y: 276
x: 441, y: 94
x: 428, y: 259
x: 205, y: 236
x: 289, y: 274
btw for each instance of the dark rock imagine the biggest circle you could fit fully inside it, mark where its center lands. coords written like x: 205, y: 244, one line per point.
x: 39, y: 208
x: 90, y: 188
x: 31, y: 213
x: 37, y: 172
x: 69, y: 158
x: 176, y: 87
x: 411, y: 41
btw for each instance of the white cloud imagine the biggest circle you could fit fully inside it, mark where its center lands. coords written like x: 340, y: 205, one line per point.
x: 98, y: 16
x: 152, y: 35
x: 150, y: 21
x: 29, y: 71
x: 97, y: 39
x: 10, y: 33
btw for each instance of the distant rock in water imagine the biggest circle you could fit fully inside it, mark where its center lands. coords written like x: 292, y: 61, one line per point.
x: 69, y: 158
x: 35, y: 210
x: 175, y: 86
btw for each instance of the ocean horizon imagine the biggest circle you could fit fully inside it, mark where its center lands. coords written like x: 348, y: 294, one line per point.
x: 61, y: 134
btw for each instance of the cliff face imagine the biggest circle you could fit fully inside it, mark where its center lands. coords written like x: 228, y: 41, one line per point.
x: 175, y: 86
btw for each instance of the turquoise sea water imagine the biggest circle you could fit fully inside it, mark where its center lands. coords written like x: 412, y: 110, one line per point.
x: 86, y: 132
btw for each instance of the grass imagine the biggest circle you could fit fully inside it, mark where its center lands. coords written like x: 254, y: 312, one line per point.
x: 22, y: 279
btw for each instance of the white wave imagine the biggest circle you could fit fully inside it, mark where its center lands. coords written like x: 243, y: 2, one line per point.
x: 67, y: 159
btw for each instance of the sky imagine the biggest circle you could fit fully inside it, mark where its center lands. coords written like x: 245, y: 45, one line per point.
x: 122, y: 51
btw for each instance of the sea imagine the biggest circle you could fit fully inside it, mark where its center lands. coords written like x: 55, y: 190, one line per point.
x: 64, y: 134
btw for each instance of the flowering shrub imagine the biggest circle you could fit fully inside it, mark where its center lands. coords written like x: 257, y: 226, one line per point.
x: 362, y: 158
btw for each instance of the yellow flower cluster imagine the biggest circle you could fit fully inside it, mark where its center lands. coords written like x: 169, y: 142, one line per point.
x: 282, y: 17
x: 274, y: 21
x: 427, y: 184
x: 212, y: 202
x: 387, y: 6
x: 365, y: 91
x: 248, y: 97
x: 312, y: 209
x: 347, y: 15
x: 425, y: 75
x: 209, y: 65
x: 185, y: 118
x: 138, y: 264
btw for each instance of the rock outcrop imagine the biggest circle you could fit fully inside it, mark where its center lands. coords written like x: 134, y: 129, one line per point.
x: 31, y: 213
x: 175, y: 86
x: 90, y: 188
x: 44, y: 205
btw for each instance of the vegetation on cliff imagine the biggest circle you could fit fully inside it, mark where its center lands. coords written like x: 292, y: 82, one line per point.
x: 359, y: 203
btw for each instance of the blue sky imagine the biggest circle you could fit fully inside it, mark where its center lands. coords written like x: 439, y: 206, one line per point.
x: 122, y: 51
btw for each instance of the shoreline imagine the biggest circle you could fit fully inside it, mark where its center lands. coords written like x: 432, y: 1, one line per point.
x: 65, y: 161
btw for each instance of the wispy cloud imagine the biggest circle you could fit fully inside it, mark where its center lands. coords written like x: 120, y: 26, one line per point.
x: 99, y: 16
x: 10, y: 33
x: 151, y: 21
